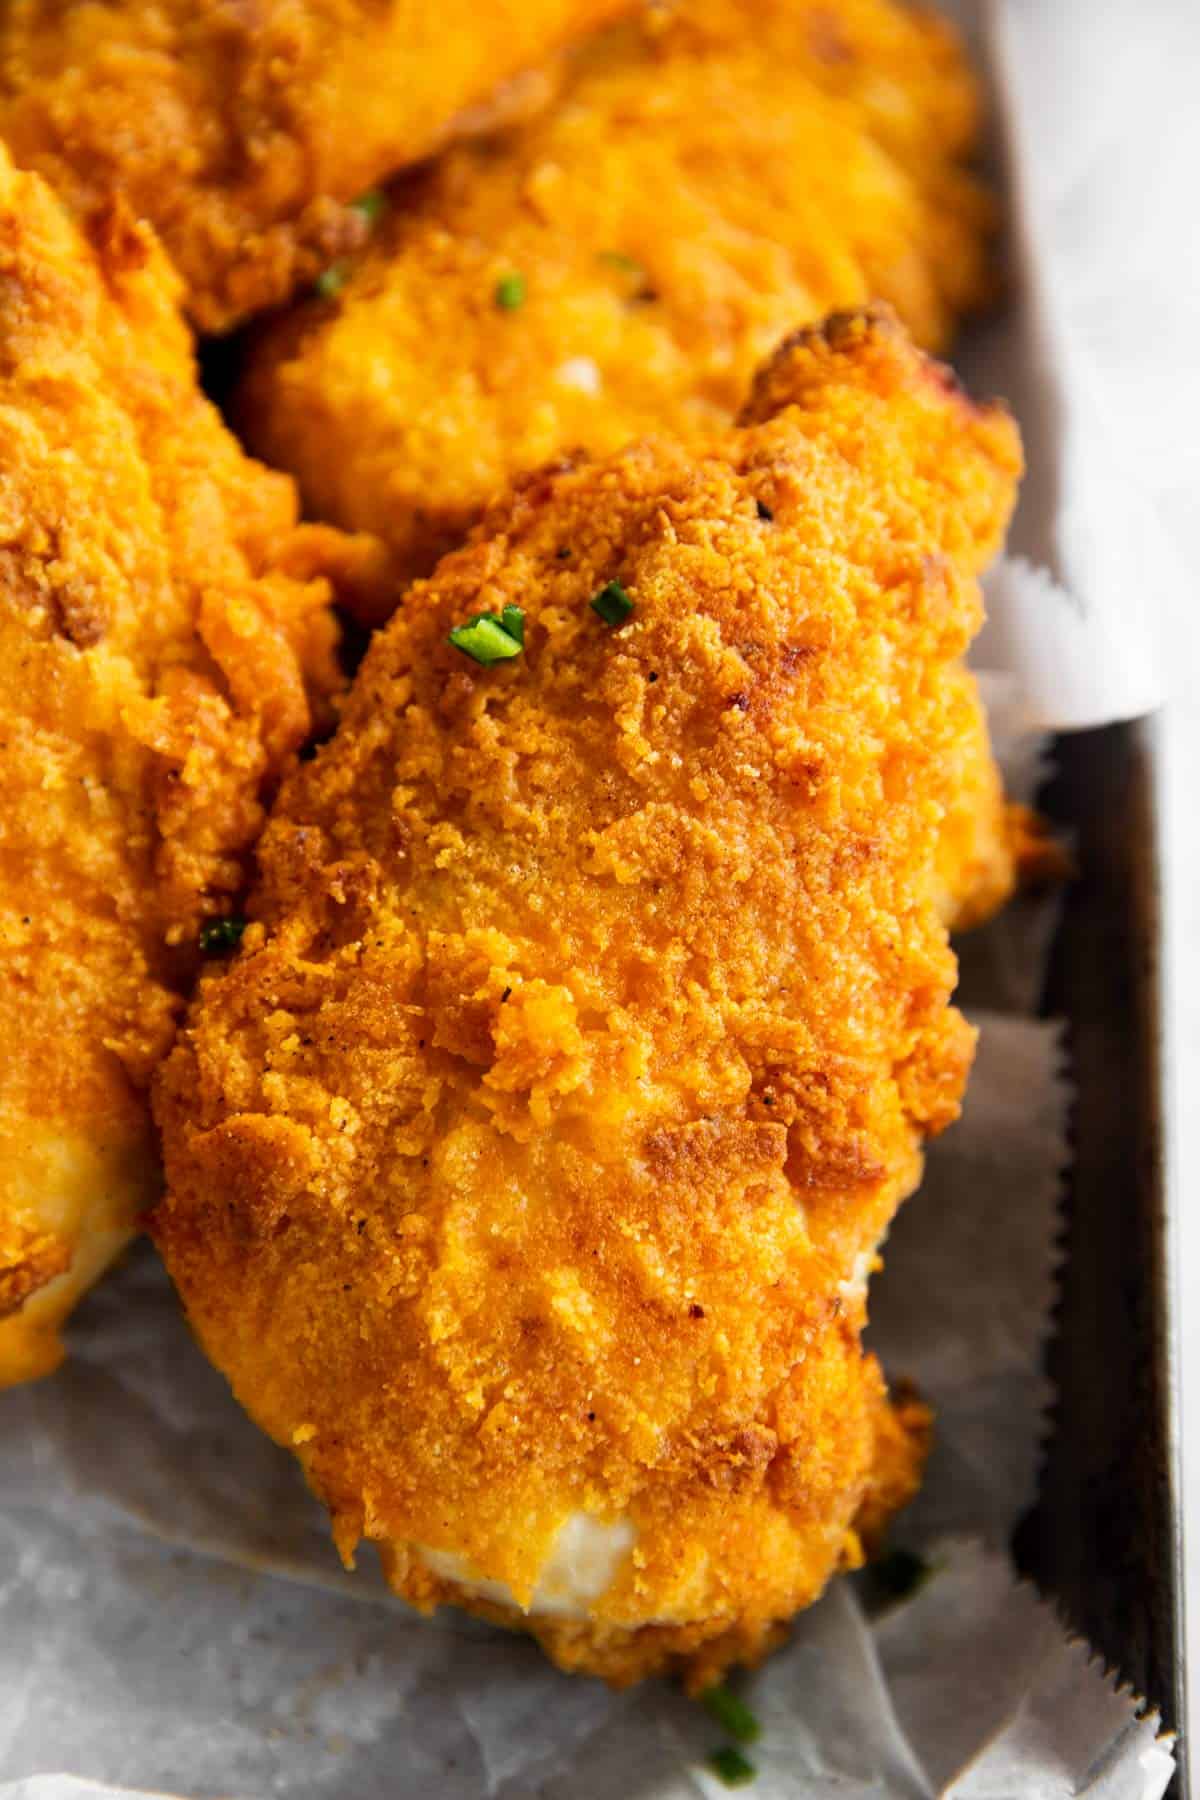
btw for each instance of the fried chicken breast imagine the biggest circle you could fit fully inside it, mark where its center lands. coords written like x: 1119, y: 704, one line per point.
x: 525, y: 1167
x: 165, y: 635
x: 242, y: 132
x: 716, y: 173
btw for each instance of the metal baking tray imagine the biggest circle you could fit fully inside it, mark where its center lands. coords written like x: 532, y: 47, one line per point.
x: 1105, y: 1539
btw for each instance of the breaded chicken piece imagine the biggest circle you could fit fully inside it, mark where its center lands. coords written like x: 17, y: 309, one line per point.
x: 525, y: 1168
x: 714, y: 175
x: 241, y: 132
x: 165, y: 634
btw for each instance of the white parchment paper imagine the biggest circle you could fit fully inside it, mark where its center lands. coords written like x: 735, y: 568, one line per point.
x: 172, y: 1617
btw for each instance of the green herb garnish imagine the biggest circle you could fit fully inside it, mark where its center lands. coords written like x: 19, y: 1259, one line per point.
x: 731, y: 1767
x: 372, y: 205
x: 731, y: 1713
x: 509, y: 292
x: 490, y: 637
x: 513, y: 621
x: 221, y: 934
x: 331, y: 281
x: 612, y: 603
x: 900, y: 1573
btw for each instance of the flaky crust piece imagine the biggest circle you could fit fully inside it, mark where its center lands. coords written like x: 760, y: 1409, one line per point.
x: 527, y: 1164
x: 715, y: 173
x: 242, y: 131
x: 165, y: 634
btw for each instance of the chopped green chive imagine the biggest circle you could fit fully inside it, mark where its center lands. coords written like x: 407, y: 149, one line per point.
x: 617, y: 259
x: 221, y: 934
x: 509, y: 292
x: 372, y: 205
x: 900, y: 1573
x: 612, y: 603
x: 731, y: 1713
x: 491, y: 637
x: 731, y: 1767
x: 513, y: 621
x: 331, y: 281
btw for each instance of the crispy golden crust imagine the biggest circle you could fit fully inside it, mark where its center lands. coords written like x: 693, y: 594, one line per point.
x: 526, y: 1161
x: 902, y: 1447
x: 714, y: 176
x: 241, y: 132
x: 982, y: 838
x: 848, y: 1424
x: 164, y: 634
x: 29, y: 1260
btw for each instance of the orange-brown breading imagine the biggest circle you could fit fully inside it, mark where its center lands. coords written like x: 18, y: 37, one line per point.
x: 715, y: 175
x: 242, y: 131
x: 525, y: 1166
x: 164, y: 632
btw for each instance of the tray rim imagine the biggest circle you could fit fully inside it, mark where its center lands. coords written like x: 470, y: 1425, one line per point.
x: 1108, y: 787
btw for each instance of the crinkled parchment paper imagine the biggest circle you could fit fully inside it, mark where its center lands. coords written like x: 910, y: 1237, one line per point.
x: 172, y: 1617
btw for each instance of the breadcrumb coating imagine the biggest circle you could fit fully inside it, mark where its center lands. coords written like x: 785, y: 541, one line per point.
x: 716, y: 174
x: 242, y: 131
x: 524, y: 1165
x: 165, y: 635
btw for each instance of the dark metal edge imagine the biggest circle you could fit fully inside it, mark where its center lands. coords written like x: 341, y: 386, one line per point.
x: 1105, y: 1538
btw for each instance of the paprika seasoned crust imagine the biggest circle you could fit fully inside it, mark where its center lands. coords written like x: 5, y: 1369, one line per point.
x: 526, y: 1166
x: 714, y: 174
x: 166, y: 640
x: 242, y: 132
